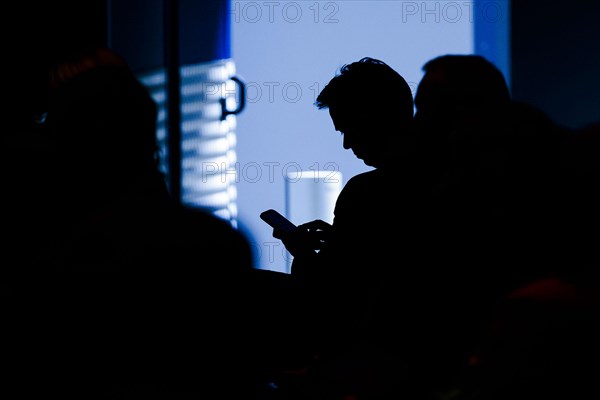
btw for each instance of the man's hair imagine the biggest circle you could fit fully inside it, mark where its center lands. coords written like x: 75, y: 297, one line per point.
x: 369, y: 83
x: 472, y: 75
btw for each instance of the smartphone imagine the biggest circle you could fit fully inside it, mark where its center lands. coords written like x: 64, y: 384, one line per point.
x: 277, y: 221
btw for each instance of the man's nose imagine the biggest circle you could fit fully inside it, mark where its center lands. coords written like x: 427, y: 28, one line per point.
x: 347, y: 142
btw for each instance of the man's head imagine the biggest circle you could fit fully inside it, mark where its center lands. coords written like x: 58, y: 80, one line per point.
x: 454, y: 84
x: 371, y: 105
x: 103, y: 122
x: 101, y: 112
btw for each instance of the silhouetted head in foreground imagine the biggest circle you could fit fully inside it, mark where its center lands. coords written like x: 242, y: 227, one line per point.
x: 103, y: 121
x: 455, y: 82
x: 462, y: 108
x: 371, y: 105
x: 459, y: 92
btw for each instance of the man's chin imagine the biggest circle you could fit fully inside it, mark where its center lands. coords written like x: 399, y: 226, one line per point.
x: 377, y: 162
x: 370, y: 163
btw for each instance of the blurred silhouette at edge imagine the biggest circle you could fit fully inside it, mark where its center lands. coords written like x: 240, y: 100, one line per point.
x: 182, y: 310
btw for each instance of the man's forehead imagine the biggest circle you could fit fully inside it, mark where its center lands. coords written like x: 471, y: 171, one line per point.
x: 351, y: 111
x: 434, y: 76
x: 432, y: 84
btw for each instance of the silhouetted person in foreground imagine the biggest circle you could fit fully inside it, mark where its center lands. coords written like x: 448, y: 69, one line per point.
x: 500, y: 222
x: 473, y: 147
x: 170, y: 309
x: 343, y: 267
x: 112, y: 197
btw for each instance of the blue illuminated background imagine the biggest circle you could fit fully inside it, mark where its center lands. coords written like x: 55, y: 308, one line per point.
x: 286, y: 51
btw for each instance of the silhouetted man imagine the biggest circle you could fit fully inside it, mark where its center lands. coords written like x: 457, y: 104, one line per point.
x: 346, y: 266
x: 490, y: 169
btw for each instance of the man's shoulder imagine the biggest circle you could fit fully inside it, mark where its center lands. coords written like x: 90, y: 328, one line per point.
x: 368, y: 178
x: 361, y: 188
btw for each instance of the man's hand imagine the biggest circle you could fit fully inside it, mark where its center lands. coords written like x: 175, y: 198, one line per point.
x: 307, y: 239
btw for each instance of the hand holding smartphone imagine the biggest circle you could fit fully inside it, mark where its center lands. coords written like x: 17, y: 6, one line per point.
x: 278, y: 221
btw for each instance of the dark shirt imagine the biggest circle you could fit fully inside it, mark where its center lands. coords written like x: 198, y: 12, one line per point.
x: 369, y: 251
